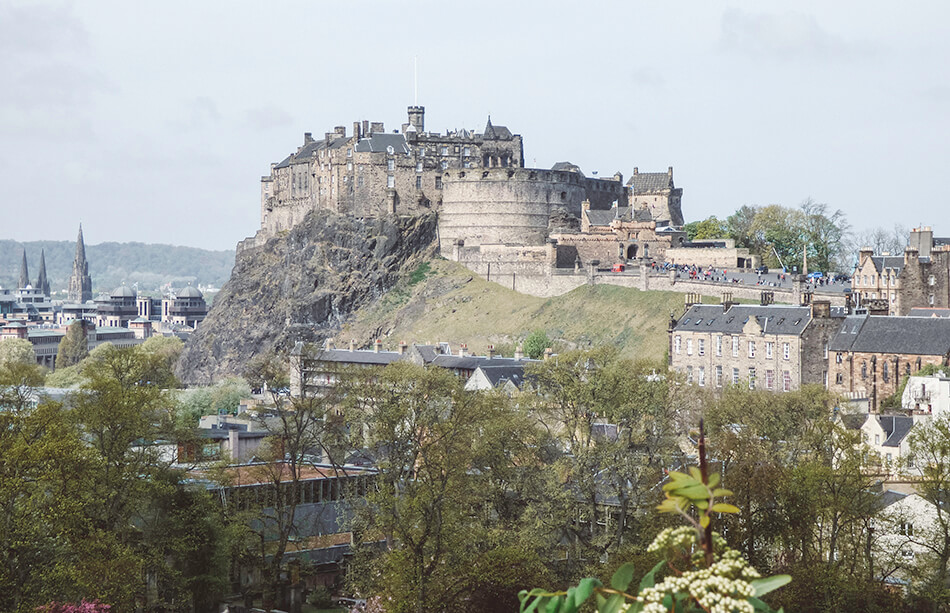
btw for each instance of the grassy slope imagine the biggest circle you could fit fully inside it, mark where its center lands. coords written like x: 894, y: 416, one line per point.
x: 451, y: 304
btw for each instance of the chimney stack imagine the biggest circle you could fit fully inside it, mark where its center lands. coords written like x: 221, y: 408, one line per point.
x: 519, y: 353
x: 378, y: 346
x: 402, y: 347
x: 548, y: 352
x: 307, y: 138
x: 463, y: 350
x: 352, y: 345
x: 491, y: 351
x: 356, y: 130
x: 234, y: 442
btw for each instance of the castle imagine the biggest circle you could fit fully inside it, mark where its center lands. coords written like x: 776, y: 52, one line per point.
x: 496, y: 217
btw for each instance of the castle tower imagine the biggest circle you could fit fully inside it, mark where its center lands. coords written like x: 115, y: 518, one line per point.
x: 42, y: 283
x: 80, y: 283
x: 417, y: 118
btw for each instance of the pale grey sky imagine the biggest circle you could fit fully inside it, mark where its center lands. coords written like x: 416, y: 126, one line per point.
x: 154, y: 121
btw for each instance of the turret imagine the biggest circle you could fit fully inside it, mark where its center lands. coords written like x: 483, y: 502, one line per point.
x: 417, y: 118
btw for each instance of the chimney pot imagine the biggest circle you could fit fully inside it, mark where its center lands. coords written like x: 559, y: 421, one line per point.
x: 491, y: 351
x: 352, y: 345
x: 402, y: 347
x: 378, y: 345
x: 519, y: 353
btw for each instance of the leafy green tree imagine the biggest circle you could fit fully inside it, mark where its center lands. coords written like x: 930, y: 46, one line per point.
x: 535, y: 344
x: 17, y: 350
x: 824, y: 232
x: 711, y: 227
x: 74, y: 346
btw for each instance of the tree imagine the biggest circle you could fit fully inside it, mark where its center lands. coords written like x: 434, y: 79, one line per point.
x: 17, y: 350
x: 930, y: 446
x: 535, y: 344
x: 824, y: 231
x: 711, y: 227
x: 74, y: 346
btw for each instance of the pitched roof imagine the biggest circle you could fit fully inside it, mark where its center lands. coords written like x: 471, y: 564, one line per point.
x: 897, y: 427
x: 498, y: 375
x: 360, y: 356
x: 493, y: 132
x: 912, y: 335
x: 844, y: 339
x: 889, y: 497
x: 600, y: 218
x: 775, y: 319
x: 929, y: 312
x: 854, y: 421
x: 895, y: 262
x: 650, y: 182
x: 380, y: 141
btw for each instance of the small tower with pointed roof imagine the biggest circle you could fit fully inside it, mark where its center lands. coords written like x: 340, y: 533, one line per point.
x: 80, y: 283
x: 42, y: 283
x: 24, y: 272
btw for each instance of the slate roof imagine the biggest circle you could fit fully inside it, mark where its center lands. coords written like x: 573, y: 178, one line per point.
x: 497, y: 375
x: 895, y: 262
x: 219, y: 434
x: 600, y: 218
x: 911, y: 335
x: 493, y: 132
x: 379, y: 141
x: 844, y: 339
x: 889, y: 497
x: 567, y: 166
x: 784, y: 320
x: 650, y: 182
x: 929, y: 312
x: 361, y: 356
x: 896, y: 427
x: 854, y: 421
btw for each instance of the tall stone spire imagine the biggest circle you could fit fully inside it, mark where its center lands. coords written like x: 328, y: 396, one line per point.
x: 42, y: 283
x: 80, y: 283
x: 24, y: 272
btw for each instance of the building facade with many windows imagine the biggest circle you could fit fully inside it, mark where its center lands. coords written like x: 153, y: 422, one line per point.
x: 775, y: 347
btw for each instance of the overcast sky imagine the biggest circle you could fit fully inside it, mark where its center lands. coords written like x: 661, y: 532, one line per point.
x: 154, y: 121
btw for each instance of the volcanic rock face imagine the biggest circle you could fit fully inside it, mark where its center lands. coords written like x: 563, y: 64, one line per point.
x: 301, y: 286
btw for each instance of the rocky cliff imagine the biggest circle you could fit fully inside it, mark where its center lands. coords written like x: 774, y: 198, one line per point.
x: 303, y: 285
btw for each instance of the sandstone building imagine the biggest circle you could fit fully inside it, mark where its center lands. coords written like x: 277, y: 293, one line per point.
x: 870, y: 354
x: 80, y: 283
x: 772, y: 347
x: 895, y: 284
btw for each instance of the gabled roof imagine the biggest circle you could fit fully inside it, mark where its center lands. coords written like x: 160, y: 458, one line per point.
x: 360, y: 356
x: 493, y: 132
x: 853, y: 421
x: 600, y: 218
x: 896, y: 427
x: 911, y: 335
x: 381, y: 141
x: 774, y: 319
x: 498, y: 375
x: 650, y: 182
x: 881, y: 262
x: 889, y: 497
x: 844, y: 339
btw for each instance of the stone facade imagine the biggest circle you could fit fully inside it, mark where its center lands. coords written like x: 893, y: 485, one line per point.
x: 370, y: 172
x: 776, y: 348
x: 80, y: 283
x: 718, y: 253
x: 655, y: 193
x: 895, y: 284
x: 870, y: 354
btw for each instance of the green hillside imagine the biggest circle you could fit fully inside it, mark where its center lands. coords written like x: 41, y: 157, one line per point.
x: 112, y: 264
x: 449, y: 303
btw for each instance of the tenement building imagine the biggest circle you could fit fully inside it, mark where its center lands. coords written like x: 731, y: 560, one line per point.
x: 895, y: 284
x: 870, y: 354
x: 776, y: 348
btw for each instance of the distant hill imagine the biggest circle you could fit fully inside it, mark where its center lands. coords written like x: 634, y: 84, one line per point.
x: 112, y: 264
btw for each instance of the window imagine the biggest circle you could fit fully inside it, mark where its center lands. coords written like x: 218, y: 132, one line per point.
x: 689, y: 346
x: 419, y: 182
x: 677, y: 343
x: 735, y: 346
x: 702, y: 376
x: 751, y: 349
x: 422, y: 152
x: 359, y: 181
x: 719, y: 376
x: 719, y: 345
x: 838, y: 358
x: 349, y: 153
x: 877, y: 439
x: 907, y: 528
x: 390, y: 164
x: 932, y: 280
x: 418, y: 166
x: 768, y: 350
x: 751, y: 377
x: 445, y: 150
x: 864, y: 370
x: 390, y: 181
x: 466, y: 151
x: 444, y: 164
x: 786, y: 381
x: 826, y: 351
x: 702, y: 346
x: 931, y: 300
x: 349, y: 166
x: 735, y: 376
x: 689, y: 374
x: 885, y: 374
x: 438, y: 182
x: 786, y: 350
x: 769, y: 379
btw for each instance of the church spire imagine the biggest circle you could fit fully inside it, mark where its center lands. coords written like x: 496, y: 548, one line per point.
x: 42, y: 283
x: 80, y: 283
x: 24, y: 272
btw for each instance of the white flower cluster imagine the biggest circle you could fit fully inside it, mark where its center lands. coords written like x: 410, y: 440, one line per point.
x: 724, y: 587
